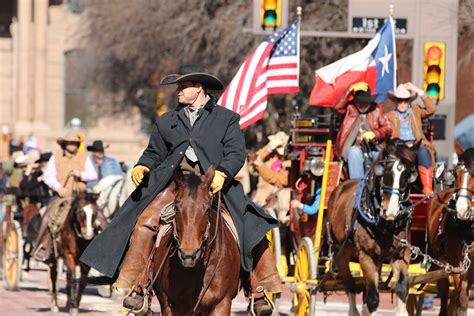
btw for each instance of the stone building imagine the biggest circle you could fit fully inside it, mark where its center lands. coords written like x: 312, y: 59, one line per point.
x: 40, y: 51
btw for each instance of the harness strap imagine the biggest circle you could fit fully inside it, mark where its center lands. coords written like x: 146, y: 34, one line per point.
x: 358, y: 201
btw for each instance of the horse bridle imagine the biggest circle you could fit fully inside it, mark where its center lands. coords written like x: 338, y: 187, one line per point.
x: 451, y: 207
x: 404, y: 195
x: 203, y: 243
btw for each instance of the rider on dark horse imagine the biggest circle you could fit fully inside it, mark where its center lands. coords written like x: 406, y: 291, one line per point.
x: 67, y: 172
x: 364, y: 120
x: 196, y: 135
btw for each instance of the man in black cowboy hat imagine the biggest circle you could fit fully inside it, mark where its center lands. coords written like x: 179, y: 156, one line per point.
x: 198, y: 134
x: 363, y: 120
x: 103, y: 165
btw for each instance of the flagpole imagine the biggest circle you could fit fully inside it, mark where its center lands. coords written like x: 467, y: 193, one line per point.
x: 392, y: 21
x: 299, y: 12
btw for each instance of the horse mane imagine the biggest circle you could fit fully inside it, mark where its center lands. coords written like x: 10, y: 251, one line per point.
x: 467, y: 157
x: 192, y: 182
x: 406, y: 154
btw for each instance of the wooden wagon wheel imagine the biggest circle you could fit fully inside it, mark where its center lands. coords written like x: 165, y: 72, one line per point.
x: 274, y: 244
x: 13, y: 256
x: 305, y: 269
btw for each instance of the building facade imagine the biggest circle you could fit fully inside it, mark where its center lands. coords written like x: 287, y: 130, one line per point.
x: 40, y: 42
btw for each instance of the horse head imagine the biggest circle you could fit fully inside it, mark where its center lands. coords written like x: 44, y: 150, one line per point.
x: 464, y: 184
x: 392, y: 174
x: 193, y: 201
x: 85, y: 218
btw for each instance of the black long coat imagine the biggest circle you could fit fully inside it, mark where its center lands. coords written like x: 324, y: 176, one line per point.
x: 217, y: 140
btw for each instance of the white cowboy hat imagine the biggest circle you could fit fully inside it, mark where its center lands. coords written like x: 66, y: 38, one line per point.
x: 284, y: 139
x: 401, y: 93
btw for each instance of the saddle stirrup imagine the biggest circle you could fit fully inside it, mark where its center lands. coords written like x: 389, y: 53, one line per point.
x: 265, y: 297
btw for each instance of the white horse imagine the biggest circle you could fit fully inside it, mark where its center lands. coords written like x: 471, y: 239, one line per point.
x: 113, y: 191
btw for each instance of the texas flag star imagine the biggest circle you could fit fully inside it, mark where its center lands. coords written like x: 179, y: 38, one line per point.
x: 384, y: 60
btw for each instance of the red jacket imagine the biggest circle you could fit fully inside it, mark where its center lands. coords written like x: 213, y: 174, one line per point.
x: 378, y: 122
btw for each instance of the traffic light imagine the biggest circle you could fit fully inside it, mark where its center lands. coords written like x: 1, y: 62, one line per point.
x: 434, y: 69
x: 270, y: 14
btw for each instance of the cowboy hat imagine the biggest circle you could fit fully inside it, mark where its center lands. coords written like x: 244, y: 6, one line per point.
x: 21, y: 160
x: 194, y: 73
x: 70, y: 137
x: 362, y: 96
x: 97, y: 146
x: 282, y: 137
x: 401, y: 93
x: 44, y: 157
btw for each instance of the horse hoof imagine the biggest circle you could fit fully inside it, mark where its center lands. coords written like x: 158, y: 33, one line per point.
x: 54, y: 309
x: 73, y: 311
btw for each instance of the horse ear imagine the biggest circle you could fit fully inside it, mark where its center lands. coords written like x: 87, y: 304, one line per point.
x: 178, y: 177
x: 207, y: 178
x: 390, y: 145
x: 416, y: 146
x: 458, y: 148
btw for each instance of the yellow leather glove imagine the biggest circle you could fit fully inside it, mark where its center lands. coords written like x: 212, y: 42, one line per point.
x: 218, y: 181
x: 138, y: 172
x: 368, y: 135
x: 360, y: 86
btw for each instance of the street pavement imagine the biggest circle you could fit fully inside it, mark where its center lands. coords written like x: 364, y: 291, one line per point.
x: 33, y: 299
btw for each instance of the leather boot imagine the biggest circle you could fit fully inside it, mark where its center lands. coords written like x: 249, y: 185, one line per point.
x: 426, y: 177
x: 264, y: 277
x: 41, y: 246
x: 140, y: 248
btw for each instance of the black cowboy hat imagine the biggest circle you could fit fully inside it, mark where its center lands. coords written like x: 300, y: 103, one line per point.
x: 44, y: 157
x: 97, y: 146
x: 362, y: 96
x: 194, y: 73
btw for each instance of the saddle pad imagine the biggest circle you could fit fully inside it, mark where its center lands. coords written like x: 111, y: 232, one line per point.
x: 162, y: 231
x: 230, y: 224
x: 59, y: 210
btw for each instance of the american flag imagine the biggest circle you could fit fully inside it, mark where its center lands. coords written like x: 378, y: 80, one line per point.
x: 273, y: 68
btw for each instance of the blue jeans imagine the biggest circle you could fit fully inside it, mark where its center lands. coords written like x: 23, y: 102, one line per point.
x: 355, y: 162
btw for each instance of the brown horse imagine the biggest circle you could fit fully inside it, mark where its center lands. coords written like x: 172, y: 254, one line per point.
x: 450, y: 232
x: 367, y: 233
x: 198, y: 261
x: 80, y: 227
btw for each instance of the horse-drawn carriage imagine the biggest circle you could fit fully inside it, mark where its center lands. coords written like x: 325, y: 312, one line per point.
x: 19, y: 214
x: 317, y: 242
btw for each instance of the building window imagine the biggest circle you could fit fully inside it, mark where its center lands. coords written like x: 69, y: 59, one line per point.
x: 75, y: 94
x: 77, y: 6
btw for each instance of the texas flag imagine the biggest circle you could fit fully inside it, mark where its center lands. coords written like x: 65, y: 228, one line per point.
x: 376, y: 64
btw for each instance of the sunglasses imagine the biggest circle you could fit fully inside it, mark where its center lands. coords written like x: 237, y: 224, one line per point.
x: 406, y: 100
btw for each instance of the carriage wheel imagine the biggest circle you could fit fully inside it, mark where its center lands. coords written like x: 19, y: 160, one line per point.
x: 274, y: 243
x: 305, y: 269
x: 13, y: 256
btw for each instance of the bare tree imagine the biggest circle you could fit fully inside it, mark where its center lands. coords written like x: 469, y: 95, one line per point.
x: 133, y: 44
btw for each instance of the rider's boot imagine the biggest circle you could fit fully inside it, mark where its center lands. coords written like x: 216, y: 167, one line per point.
x: 264, y: 278
x: 140, y: 248
x: 41, y: 246
x: 426, y: 177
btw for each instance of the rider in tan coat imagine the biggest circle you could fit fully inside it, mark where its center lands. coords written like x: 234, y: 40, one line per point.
x: 66, y: 174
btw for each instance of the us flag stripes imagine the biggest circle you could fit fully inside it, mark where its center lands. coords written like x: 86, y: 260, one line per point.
x: 273, y: 68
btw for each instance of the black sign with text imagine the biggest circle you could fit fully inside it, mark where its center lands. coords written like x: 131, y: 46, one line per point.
x: 372, y: 25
